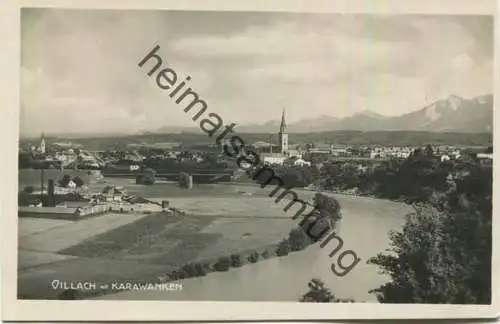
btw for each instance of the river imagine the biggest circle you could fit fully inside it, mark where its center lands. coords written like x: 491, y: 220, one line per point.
x: 364, y: 229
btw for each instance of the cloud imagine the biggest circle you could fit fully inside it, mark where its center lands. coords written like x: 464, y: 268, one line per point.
x: 79, y: 68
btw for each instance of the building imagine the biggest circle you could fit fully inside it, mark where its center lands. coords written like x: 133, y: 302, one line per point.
x: 283, y: 136
x: 282, y: 155
x: 71, y: 185
x: 273, y: 158
x: 42, y: 147
x: 301, y: 162
x: 112, y: 194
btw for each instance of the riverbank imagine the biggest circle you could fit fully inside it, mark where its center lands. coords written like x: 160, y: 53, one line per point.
x: 348, y: 192
x: 364, y: 229
x: 221, y: 221
x: 149, y: 246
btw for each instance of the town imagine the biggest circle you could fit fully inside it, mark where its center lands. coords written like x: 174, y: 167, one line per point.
x: 354, y: 162
x: 302, y: 165
x: 106, y: 202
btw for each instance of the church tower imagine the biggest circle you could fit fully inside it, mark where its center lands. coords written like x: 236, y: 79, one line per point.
x: 283, y: 136
x: 42, y: 144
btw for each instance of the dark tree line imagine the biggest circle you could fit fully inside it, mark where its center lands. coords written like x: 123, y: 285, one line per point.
x: 443, y: 252
x: 419, y: 178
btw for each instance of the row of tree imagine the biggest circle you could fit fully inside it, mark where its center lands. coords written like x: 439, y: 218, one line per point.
x: 416, y: 179
x: 443, y: 252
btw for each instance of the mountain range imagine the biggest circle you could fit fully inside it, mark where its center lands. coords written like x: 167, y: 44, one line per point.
x: 453, y: 114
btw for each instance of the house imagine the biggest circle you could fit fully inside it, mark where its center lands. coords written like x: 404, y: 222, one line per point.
x: 301, y: 162
x: 71, y: 185
x: 487, y: 156
x: 273, y: 158
x: 294, y: 154
x: 112, y: 194
x: 445, y: 157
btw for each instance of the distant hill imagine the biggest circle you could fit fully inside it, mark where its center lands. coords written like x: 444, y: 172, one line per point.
x: 398, y: 138
x: 454, y: 114
x: 451, y: 115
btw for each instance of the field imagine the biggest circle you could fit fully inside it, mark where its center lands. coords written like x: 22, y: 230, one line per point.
x: 220, y: 220
x: 128, y: 246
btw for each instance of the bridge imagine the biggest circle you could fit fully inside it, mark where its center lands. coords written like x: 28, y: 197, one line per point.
x: 198, y: 177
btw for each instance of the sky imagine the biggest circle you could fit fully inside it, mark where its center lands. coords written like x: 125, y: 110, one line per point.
x: 79, y: 68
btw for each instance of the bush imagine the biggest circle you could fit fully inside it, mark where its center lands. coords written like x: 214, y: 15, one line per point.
x: 29, y: 189
x: 319, y: 293
x: 69, y: 294
x: 265, y: 254
x: 78, y: 181
x: 190, y: 270
x: 298, y: 239
x: 223, y: 264
x: 184, y: 180
x: 148, y: 180
x: 179, y: 274
x: 204, y: 268
x: 64, y: 181
x: 174, y: 275
x: 254, y: 257
x: 194, y: 270
x: 236, y: 261
x: 200, y: 269
x: 283, y: 248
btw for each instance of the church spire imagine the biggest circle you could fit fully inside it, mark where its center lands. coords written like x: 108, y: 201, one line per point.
x: 283, y: 122
x: 283, y: 135
x: 42, y: 142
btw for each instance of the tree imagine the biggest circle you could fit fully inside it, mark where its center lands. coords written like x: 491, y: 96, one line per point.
x: 236, y: 261
x: 211, y: 159
x: 322, y: 218
x: 64, y: 181
x: 265, y: 254
x: 283, y: 248
x: 429, y: 152
x: 28, y: 189
x: 443, y: 252
x: 25, y: 160
x: 319, y: 293
x: 298, y: 239
x: 190, y: 270
x: 254, y: 257
x: 69, y: 294
x: 223, y: 264
x: 148, y: 179
x: 349, y: 176
x: 194, y: 269
x: 78, y: 182
x: 327, y: 206
x: 184, y: 180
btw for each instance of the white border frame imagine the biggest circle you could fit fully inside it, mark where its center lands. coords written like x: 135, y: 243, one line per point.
x: 92, y: 310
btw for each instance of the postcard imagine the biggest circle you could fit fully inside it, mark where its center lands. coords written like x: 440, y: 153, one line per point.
x: 293, y: 160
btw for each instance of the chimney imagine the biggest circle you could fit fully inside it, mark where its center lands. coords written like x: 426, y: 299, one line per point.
x: 51, y: 201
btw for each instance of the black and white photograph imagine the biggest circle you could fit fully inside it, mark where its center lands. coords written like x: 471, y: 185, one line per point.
x: 255, y: 156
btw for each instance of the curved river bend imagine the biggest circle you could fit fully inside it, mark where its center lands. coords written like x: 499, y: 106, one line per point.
x: 364, y: 229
